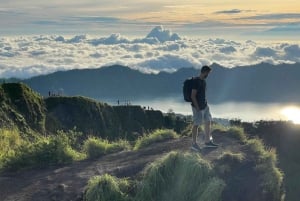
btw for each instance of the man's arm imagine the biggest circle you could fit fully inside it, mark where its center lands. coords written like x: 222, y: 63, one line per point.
x: 194, y: 99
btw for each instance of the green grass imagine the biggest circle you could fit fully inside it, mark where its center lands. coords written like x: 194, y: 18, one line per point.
x: 237, y: 133
x: 27, y: 105
x: 174, y: 177
x: 266, y: 164
x: 156, y: 136
x: 41, y: 153
x: 18, y: 152
x: 96, y: 147
x: 187, y: 177
x: 227, y: 162
x: 10, y: 140
x: 180, y: 177
x: 107, y: 188
x: 219, y: 127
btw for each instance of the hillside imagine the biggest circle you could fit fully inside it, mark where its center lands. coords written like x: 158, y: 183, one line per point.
x: 246, y: 171
x: 259, y: 83
x: 22, y: 108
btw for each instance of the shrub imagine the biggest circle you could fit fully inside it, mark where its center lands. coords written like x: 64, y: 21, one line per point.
x: 44, y: 152
x: 180, y: 177
x: 9, y: 140
x: 266, y: 163
x: 227, y: 162
x: 96, y: 147
x: 107, y: 188
x: 238, y: 133
x: 157, y: 136
x: 71, y: 137
x: 218, y: 126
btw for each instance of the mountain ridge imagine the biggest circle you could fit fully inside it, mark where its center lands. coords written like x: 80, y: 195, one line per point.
x: 258, y: 83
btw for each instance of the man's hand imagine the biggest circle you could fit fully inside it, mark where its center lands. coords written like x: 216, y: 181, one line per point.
x: 194, y: 99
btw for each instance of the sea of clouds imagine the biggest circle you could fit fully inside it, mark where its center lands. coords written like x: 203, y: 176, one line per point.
x: 160, y: 50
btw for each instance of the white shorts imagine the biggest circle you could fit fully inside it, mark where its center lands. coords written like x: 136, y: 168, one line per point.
x: 201, y: 115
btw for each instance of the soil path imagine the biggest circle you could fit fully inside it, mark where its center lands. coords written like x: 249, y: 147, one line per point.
x: 68, y: 182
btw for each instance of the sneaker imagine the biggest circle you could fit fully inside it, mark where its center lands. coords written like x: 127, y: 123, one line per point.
x: 211, y: 144
x: 195, y: 147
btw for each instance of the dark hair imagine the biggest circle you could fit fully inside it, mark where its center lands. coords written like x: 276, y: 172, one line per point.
x: 205, y: 69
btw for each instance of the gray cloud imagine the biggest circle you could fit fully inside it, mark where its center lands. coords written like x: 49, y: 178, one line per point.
x: 11, y: 12
x: 292, y: 52
x: 277, y: 16
x: 264, y: 52
x: 233, y: 11
x: 290, y: 27
x: 227, y: 49
x: 112, y: 39
x: 101, y: 19
x: 7, y: 54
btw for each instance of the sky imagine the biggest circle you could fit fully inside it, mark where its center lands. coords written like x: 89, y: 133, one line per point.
x: 41, y: 37
x: 231, y: 18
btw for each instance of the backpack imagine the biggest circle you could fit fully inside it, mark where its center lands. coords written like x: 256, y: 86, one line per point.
x: 187, y: 89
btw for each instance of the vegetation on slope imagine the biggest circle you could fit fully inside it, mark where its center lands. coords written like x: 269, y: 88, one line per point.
x: 107, y: 188
x: 251, y: 174
x: 19, y: 153
x: 22, y: 108
x: 96, y: 147
x: 32, y: 114
x: 285, y: 138
x: 154, y: 137
x: 180, y: 177
x: 62, y: 147
x: 37, y: 132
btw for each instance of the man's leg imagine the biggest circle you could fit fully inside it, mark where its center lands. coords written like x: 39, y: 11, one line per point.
x: 197, y: 118
x: 195, y: 146
x: 207, y: 130
x: 194, y: 133
x: 196, y: 123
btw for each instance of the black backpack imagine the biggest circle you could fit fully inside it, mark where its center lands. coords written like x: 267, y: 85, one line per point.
x: 187, y: 89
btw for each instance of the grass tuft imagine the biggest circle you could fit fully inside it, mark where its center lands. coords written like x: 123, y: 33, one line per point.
x: 237, y: 133
x: 180, y: 177
x: 157, y: 136
x: 227, y: 162
x: 42, y: 153
x: 96, y: 147
x: 107, y: 188
x: 266, y: 163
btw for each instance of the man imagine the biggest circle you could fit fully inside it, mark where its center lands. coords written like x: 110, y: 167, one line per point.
x: 201, y: 110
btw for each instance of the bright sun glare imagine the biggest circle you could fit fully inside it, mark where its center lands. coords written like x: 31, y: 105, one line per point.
x: 292, y: 113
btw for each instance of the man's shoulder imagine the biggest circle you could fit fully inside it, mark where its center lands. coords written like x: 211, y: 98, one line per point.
x: 198, y: 80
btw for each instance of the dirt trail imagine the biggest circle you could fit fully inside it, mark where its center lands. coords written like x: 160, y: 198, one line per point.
x: 67, y: 183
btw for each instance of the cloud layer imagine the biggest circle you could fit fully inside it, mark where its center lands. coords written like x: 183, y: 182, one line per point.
x: 160, y: 50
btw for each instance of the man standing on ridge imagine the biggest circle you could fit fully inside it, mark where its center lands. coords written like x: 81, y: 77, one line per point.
x: 201, y: 110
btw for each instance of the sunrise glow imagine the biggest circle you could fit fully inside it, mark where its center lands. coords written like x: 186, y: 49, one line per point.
x: 292, y: 113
